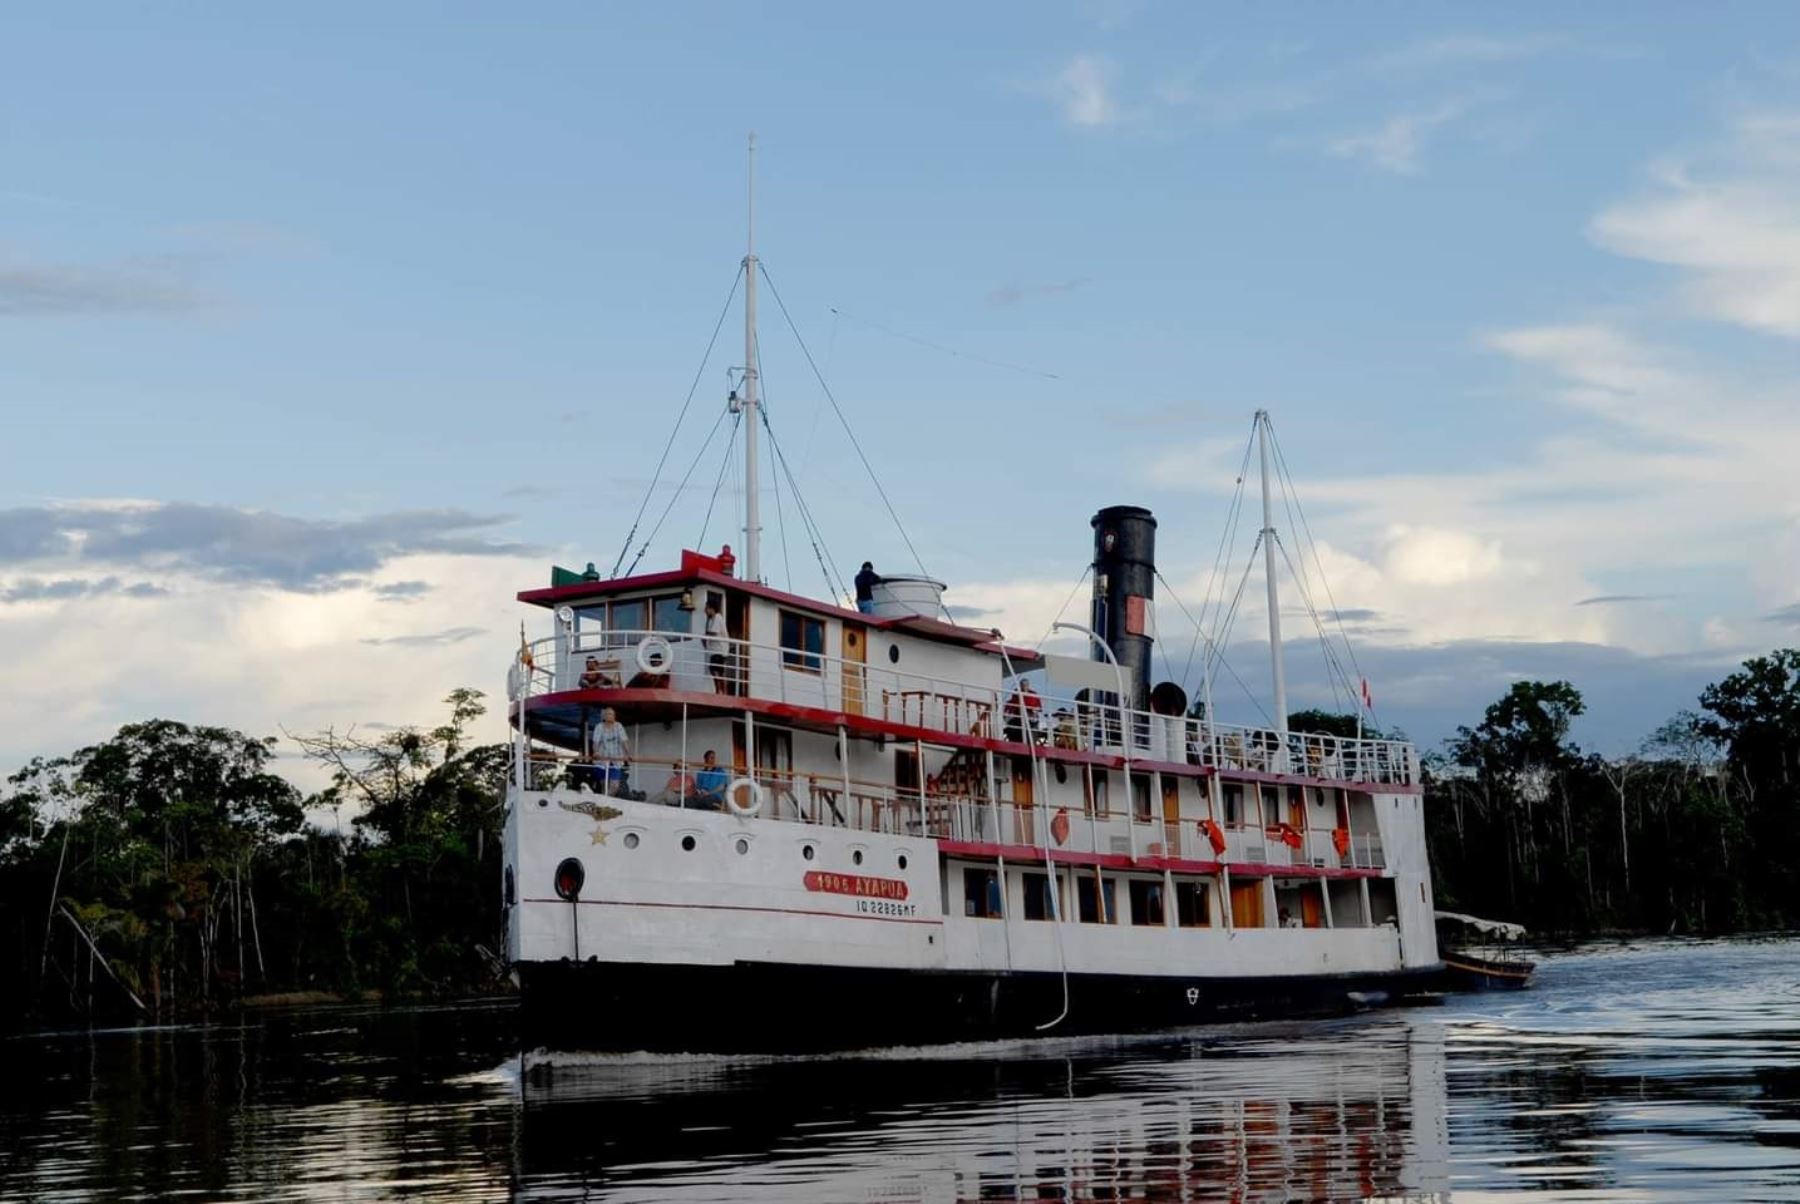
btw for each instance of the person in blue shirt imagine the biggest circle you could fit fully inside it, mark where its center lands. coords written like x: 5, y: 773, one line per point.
x: 710, y: 783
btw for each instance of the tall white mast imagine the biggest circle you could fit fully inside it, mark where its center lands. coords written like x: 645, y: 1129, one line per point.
x: 752, y: 518
x: 1268, y: 537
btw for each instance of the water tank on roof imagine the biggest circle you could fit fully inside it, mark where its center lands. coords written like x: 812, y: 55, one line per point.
x: 897, y: 597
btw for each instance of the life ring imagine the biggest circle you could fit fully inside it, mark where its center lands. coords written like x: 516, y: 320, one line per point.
x: 755, y: 793
x: 654, y: 656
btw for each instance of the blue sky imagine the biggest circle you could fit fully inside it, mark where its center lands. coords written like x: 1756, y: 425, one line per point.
x: 330, y: 330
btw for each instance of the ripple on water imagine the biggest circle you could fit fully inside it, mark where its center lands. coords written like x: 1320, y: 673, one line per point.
x: 1652, y: 1070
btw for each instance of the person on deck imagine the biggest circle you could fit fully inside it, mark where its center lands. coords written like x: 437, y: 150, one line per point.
x: 718, y: 649
x: 678, y: 789
x: 594, y: 677
x: 866, y: 581
x: 710, y: 782
x: 611, y: 746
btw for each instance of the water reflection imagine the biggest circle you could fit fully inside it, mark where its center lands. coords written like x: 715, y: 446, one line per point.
x: 1322, y: 1111
x: 1660, y: 1071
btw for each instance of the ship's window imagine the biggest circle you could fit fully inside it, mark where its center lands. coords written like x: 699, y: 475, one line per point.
x: 893, y: 654
x: 1140, y: 798
x: 903, y: 861
x: 806, y: 851
x: 743, y: 846
x: 1234, y: 806
x: 1088, y: 904
x: 802, y: 642
x: 1097, y: 804
x: 1146, y: 902
x: 628, y: 617
x: 981, y: 894
x: 687, y: 843
x: 631, y: 840
x: 856, y: 857
x: 1037, y: 897
x: 1193, y: 904
x: 667, y: 615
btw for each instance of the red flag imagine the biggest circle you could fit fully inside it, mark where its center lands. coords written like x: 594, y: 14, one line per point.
x: 1368, y: 699
x: 1059, y: 826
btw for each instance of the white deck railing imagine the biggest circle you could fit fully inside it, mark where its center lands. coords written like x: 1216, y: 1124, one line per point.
x: 974, y: 817
x: 998, y: 709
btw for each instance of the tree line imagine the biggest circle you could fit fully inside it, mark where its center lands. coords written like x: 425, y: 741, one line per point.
x: 170, y: 870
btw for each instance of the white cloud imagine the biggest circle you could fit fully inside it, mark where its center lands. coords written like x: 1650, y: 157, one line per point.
x: 1731, y: 220
x: 1397, y: 143
x: 1458, y: 50
x: 1083, y: 90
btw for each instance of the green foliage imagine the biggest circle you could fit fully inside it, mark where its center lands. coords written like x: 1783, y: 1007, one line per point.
x: 1696, y: 832
x: 191, y: 868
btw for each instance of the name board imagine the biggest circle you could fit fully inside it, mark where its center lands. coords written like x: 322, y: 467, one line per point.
x: 856, y: 884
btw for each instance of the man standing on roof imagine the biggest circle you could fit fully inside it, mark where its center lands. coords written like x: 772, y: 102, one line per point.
x: 866, y: 581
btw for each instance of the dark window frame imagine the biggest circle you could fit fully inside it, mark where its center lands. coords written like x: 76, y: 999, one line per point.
x: 983, y: 898
x: 799, y: 656
x: 1146, y: 894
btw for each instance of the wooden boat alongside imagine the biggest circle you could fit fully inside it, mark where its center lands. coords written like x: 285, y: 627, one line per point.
x: 1497, y: 967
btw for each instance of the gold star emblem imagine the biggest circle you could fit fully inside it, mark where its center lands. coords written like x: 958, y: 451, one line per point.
x: 599, y: 834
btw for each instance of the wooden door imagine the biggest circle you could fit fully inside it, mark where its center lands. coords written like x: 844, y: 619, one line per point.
x: 1247, y: 904
x: 855, y: 658
x: 1171, y: 810
x: 1312, y: 909
x: 1024, y: 830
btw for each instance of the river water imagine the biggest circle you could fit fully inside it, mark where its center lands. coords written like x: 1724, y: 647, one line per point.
x: 1649, y: 1071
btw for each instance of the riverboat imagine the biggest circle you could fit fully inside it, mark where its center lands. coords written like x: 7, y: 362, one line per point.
x: 742, y: 818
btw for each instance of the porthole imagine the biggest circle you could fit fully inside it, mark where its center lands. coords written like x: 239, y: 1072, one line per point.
x: 856, y: 857
x: 543, y: 802
x: 743, y: 846
x: 903, y: 861
x: 806, y: 851
x: 687, y: 844
x: 894, y: 654
x: 1062, y: 773
x: 631, y: 840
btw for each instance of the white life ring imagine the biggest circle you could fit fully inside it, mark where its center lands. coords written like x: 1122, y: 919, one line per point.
x: 755, y: 793
x: 654, y: 656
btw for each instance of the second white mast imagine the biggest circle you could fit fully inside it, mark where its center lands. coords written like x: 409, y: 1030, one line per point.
x: 1277, y: 669
x: 752, y: 517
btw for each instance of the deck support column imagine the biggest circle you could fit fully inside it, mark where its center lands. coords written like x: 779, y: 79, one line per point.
x: 1325, y: 897
x: 844, y: 764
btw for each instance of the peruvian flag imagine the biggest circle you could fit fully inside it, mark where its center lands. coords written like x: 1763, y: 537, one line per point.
x: 1367, y: 698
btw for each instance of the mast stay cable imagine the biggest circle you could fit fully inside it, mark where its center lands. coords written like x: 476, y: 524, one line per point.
x: 657, y: 475
x: 845, y: 422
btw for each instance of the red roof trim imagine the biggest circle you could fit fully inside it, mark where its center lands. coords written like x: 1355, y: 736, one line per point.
x: 982, y: 641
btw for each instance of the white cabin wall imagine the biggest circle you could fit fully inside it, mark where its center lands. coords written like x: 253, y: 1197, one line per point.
x: 1402, y: 824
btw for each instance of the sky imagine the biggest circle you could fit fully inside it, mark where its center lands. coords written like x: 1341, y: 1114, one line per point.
x: 326, y: 330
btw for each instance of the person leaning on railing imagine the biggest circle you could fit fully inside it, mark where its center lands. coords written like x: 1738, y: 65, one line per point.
x: 611, y: 746
x: 718, y: 649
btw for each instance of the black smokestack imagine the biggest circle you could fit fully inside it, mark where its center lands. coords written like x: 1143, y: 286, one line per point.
x: 1124, y: 584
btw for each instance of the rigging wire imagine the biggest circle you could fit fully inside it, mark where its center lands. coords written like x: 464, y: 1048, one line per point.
x: 724, y: 465
x: 1215, y: 652
x: 943, y: 350
x: 845, y: 422
x: 1306, y: 528
x: 679, y: 418
x: 1222, y: 558
x: 679, y: 490
x: 821, y: 553
x: 762, y: 409
x: 1065, y: 606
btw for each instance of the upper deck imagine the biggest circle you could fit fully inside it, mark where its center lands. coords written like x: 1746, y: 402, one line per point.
x: 828, y: 668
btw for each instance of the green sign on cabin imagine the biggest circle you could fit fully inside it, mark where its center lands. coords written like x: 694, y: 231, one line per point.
x: 561, y: 576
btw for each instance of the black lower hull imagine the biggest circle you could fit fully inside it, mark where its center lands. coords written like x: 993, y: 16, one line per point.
x: 756, y: 1006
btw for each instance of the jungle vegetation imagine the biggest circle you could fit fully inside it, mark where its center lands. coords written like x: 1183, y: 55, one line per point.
x: 171, y: 870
